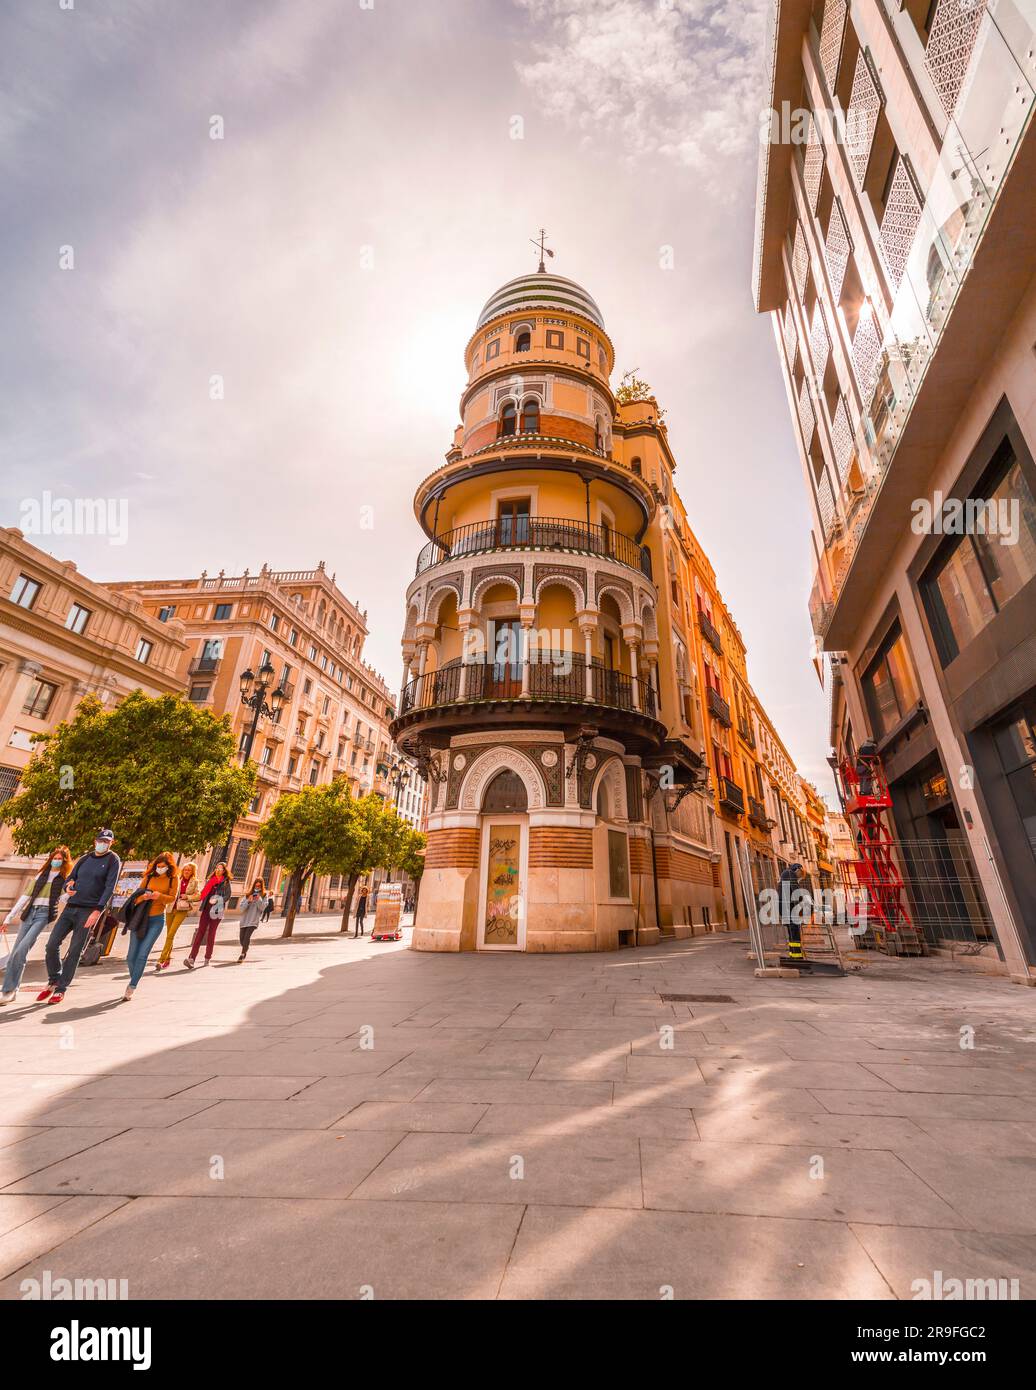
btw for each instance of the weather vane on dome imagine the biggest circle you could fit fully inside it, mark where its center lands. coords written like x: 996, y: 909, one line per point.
x: 543, y: 249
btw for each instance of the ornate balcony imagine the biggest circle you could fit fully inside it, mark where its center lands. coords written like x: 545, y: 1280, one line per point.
x: 204, y: 666
x: 719, y: 707
x: 710, y: 633
x: 757, y: 814
x: 555, y: 534
x: 731, y: 797
x: 475, y: 693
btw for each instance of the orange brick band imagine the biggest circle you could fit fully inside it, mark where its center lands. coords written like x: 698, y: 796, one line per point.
x: 684, y: 868
x: 452, y: 849
x: 560, y: 847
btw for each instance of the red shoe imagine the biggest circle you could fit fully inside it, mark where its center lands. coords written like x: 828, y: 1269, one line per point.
x: 43, y: 994
x: 56, y: 998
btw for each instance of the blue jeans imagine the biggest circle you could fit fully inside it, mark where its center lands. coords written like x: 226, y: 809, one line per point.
x: 140, y: 949
x: 28, y: 934
x: 72, y: 922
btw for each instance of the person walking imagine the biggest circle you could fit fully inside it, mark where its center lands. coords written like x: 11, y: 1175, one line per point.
x: 213, y: 907
x: 251, y: 912
x: 184, y: 904
x: 268, y: 909
x: 35, y: 910
x: 361, y: 912
x: 146, y: 915
x: 90, y: 886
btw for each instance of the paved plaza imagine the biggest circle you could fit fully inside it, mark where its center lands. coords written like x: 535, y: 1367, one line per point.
x: 344, y: 1119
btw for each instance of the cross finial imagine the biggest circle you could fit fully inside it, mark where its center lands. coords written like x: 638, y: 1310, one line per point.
x: 544, y: 250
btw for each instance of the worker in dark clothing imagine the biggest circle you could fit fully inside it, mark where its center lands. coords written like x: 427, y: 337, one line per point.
x: 865, y: 760
x: 788, y: 888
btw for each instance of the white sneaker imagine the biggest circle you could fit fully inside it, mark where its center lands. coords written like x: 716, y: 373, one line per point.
x: 9, y: 998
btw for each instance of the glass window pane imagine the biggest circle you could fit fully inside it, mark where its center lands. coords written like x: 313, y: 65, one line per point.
x: 902, y: 676
x: 964, y: 595
x: 884, y: 709
x: 1010, y: 555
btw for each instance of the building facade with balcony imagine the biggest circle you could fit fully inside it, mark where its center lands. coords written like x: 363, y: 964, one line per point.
x: 62, y: 637
x: 566, y: 689
x: 895, y: 254
x: 334, y: 718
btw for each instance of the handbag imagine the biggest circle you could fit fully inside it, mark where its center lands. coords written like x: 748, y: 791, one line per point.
x: 217, y: 907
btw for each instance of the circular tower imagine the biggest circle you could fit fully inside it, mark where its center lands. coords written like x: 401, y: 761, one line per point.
x: 529, y: 690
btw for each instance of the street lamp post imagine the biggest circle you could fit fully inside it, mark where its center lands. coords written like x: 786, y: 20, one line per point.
x: 399, y: 776
x: 254, y: 690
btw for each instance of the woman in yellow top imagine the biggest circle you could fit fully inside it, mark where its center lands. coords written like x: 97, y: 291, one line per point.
x: 158, y: 888
x: 187, y: 899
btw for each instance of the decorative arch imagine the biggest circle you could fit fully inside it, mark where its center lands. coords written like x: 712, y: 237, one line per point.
x: 649, y: 621
x: 621, y: 597
x: 413, y: 617
x: 612, y: 779
x: 488, y: 764
x: 488, y: 581
x: 436, y: 597
x: 565, y: 581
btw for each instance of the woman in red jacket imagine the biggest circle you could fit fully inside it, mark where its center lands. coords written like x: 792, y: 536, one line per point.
x: 213, y: 905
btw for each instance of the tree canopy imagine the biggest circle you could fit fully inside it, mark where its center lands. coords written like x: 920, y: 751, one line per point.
x: 324, y: 830
x: 158, y: 771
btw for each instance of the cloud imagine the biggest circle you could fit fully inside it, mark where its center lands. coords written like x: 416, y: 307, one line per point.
x: 678, y: 80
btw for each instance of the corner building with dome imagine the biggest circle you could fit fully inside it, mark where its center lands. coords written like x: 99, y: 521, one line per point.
x: 553, y: 687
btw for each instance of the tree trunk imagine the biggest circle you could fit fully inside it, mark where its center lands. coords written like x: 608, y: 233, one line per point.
x: 353, y: 880
x: 295, y: 886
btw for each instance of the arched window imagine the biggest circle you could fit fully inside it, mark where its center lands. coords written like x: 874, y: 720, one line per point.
x: 598, y: 435
x: 531, y: 417
x: 602, y: 802
x: 636, y: 467
x: 506, y: 792
x: 508, y: 419
x: 523, y: 342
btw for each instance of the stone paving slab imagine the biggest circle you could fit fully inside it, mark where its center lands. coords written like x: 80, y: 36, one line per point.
x: 583, y: 1253
x: 517, y: 1131
x: 264, y: 1248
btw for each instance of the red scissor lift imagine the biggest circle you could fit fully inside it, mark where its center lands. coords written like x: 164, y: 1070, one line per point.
x: 866, y: 801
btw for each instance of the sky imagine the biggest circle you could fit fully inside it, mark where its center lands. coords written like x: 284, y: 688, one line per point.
x: 257, y: 340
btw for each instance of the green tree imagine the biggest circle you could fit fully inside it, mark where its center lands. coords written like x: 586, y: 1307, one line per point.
x: 376, y: 838
x: 159, y: 771
x: 302, y: 835
x: 635, y: 388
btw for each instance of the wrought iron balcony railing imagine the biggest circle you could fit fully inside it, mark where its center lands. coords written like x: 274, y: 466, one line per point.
x: 204, y: 666
x: 535, y: 533
x: 719, y: 706
x: 745, y: 731
x: 559, y: 677
x: 710, y: 633
x: 730, y: 795
x: 757, y: 814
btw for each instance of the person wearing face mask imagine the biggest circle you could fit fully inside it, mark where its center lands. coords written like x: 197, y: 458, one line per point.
x: 36, y: 910
x: 186, y: 901
x: 213, y: 906
x: 90, y: 886
x: 146, y: 918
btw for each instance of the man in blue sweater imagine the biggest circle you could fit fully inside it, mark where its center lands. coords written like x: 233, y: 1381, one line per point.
x: 90, y: 887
